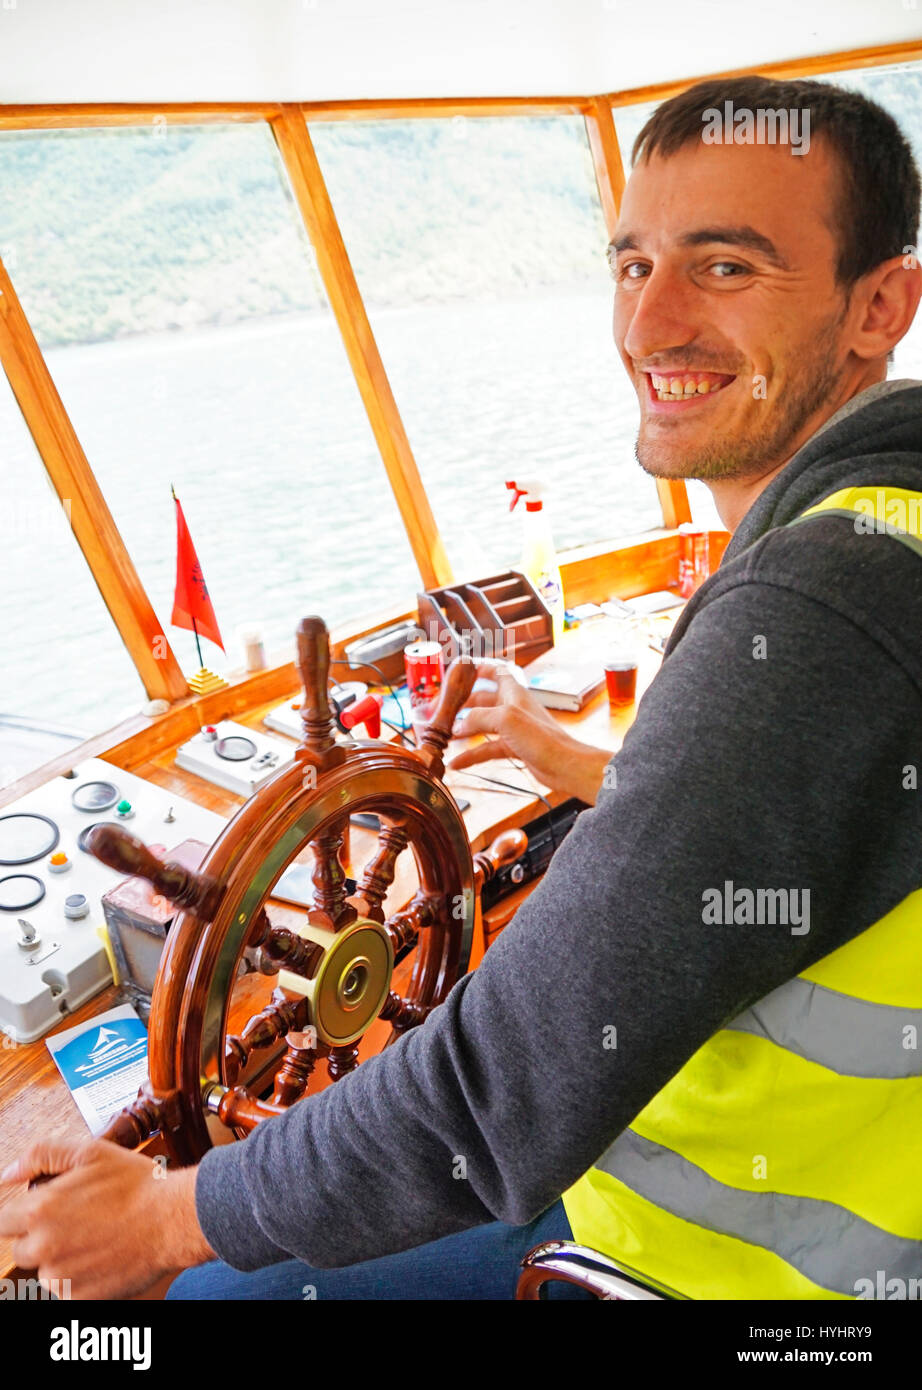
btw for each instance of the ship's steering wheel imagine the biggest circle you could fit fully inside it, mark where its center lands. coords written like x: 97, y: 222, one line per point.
x: 335, y: 965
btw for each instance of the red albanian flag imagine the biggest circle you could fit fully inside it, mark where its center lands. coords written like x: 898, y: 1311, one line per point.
x: 191, y: 605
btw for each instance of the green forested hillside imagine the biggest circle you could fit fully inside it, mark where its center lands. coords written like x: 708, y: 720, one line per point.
x: 117, y: 232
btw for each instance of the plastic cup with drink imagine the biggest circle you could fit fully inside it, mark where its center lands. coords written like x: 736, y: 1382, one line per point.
x: 621, y: 675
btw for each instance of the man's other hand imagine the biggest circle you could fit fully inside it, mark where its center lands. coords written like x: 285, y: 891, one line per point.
x: 518, y: 726
x: 104, y: 1226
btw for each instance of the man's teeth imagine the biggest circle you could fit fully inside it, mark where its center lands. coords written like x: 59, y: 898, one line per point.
x: 674, y: 388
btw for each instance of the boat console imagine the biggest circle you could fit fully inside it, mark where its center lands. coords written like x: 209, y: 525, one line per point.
x: 52, y: 955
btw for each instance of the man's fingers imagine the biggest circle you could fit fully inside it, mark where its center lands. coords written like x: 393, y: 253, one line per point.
x: 48, y: 1158
x: 484, y: 720
x: 480, y: 753
x: 481, y: 698
x: 492, y: 670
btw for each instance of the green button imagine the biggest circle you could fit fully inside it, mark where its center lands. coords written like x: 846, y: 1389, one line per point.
x: 123, y: 807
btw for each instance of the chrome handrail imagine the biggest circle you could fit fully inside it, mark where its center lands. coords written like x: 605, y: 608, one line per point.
x: 588, y: 1269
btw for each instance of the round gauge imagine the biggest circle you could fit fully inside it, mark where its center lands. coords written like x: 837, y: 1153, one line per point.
x: 19, y: 891
x: 235, y: 748
x: 95, y: 796
x: 25, y: 836
x: 85, y: 834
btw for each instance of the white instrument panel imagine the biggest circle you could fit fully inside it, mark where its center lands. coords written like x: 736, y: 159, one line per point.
x: 234, y: 756
x: 51, y: 956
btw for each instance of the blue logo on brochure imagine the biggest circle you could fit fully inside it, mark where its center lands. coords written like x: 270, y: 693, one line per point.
x: 102, y: 1050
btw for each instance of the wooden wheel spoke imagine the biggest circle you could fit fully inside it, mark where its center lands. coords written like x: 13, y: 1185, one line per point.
x: 329, y: 876
x: 343, y: 1060
x: 293, y: 1076
x: 378, y: 874
x: 126, y: 854
x: 426, y: 910
x: 284, y: 947
x: 402, y: 1013
x: 236, y: 1108
x: 278, y: 1018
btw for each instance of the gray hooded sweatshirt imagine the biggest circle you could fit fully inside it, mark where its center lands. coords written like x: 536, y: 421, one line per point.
x: 785, y: 769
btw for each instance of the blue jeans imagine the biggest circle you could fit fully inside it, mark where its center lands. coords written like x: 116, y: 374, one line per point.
x: 481, y: 1263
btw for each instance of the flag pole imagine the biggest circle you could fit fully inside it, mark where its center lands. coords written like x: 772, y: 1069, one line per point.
x: 191, y: 603
x: 198, y: 645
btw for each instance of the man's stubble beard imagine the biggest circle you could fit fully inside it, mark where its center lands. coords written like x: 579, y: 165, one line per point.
x: 744, y: 457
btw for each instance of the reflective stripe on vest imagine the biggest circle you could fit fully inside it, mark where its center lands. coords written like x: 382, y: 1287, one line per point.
x: 782, y: 1160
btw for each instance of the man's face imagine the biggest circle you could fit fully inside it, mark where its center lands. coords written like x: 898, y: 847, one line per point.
x: 728, y: 317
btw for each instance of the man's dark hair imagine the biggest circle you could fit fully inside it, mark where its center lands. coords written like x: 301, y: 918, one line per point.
x: 877, y: 211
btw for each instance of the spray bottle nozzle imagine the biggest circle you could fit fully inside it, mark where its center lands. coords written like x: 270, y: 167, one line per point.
x: 517, y: 492
x: 525, y: 487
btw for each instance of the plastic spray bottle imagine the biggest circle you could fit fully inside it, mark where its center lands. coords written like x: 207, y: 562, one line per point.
x: 539, y: 555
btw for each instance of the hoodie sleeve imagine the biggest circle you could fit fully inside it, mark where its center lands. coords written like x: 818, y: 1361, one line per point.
x: 774, y: 770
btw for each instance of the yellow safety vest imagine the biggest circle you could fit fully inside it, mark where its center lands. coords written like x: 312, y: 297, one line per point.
x: 783, y: 1159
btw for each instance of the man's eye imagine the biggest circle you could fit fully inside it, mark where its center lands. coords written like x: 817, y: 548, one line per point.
x: 726, y: 270
x: 632, y: 270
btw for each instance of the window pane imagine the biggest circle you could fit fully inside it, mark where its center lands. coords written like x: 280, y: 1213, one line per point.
x: 479, y: 247
x: 897, y: 89
x: 167, y: 275
x: 629, y: 121
x: 63, y: 660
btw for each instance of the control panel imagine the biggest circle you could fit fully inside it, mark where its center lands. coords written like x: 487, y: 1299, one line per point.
x: 234, y: 756
x: 52, y: 957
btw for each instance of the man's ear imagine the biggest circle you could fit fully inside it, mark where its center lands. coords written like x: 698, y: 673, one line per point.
x: 884, y: 303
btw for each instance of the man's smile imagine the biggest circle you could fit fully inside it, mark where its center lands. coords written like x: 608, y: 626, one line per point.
x: 668, y: 391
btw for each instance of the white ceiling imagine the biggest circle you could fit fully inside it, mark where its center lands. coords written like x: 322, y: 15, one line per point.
x: 320, y: 50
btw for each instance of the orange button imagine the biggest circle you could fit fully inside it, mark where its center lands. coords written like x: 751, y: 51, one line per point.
x: 59, y: 858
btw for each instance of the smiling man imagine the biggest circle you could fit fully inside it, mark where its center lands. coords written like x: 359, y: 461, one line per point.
x: 744, y: 274
x: 731, y: 1106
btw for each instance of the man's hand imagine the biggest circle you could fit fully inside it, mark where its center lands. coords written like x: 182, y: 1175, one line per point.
x: 521, y: 727
x: 110, y: 1222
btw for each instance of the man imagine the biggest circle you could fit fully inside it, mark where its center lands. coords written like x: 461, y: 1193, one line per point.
x: 700, y: 1026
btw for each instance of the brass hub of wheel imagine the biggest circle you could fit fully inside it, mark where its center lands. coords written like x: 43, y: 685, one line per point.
x: 351, y: 983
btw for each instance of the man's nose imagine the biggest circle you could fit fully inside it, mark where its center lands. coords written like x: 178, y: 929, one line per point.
x: 659, y: 317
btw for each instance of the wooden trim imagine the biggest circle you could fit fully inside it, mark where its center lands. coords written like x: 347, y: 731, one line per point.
x: 443, y: 107
x: 840, y: 61
x: 673, y: 500
x: 640, y: 565
x: 297, y: 151
x: 606, y: 159
x: 610, y: 180
x: 95, y: 115
x: 92, y: 523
